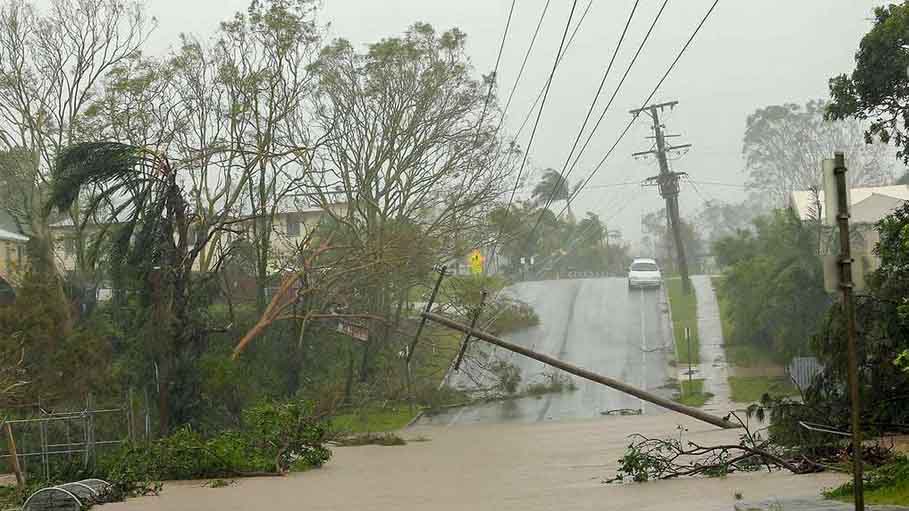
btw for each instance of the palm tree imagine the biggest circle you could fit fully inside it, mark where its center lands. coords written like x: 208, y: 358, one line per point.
x: 553, y: 187
x: 146, y: 241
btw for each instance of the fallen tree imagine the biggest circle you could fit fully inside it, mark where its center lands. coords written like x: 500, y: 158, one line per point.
x: 649, y: 458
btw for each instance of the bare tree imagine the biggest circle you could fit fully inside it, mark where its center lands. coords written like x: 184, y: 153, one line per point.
x: 413, y: 151
x: 52, y: 64
x: 784, y: 145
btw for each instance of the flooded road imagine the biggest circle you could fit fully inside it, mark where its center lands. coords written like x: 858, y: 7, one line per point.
x: 516, y: 466
x: 598, y: 324
x: 525, y: 454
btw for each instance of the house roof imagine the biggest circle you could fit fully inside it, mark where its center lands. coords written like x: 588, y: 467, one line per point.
x: 12, y: 236
x: 874, y: 208
x: 9, y: 228
x: 867, y: 204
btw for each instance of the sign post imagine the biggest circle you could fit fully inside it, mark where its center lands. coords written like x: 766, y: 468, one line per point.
x: 837, y: 199
x: 688, y: 340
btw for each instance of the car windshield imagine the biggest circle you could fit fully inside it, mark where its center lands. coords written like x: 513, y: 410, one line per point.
x: 644, y: 267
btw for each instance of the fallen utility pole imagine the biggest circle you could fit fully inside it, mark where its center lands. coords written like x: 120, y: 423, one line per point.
x: 583, y: 373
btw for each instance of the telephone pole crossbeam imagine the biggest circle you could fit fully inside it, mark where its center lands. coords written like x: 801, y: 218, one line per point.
x: 667, y: 181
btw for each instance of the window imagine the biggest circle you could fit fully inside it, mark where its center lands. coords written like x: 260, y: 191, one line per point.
x: 293, y: 227
x: 644, y: 267
x: 69, y: 246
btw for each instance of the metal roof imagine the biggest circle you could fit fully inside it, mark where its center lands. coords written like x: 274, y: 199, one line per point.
x: 803, y: 201
x: 12, y: 236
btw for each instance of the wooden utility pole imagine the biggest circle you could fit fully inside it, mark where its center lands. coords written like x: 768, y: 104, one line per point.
x: 473, y: 324
x: 583, y: 373
x: 842, y: 220
x: 14, y: 456
x: 668, y: 183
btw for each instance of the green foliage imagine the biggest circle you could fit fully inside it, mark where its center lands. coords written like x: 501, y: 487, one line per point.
x: 507, y: 376
x: 552, y: 186
x: 274, y: 437
x: 772, y: 290
x: 691, y: 393
x: 557, y: 244
x: 883, y: 328
x: 373, y: 420
x: 751, y: 389
x: 34, y: 329
x: 877, y: 89
x: 284, y: 432
x: 553, y: 383
x: 888, y: 484
x: 641, y: 465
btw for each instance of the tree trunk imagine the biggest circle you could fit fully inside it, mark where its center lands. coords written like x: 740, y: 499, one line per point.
x: 348, y: 386
x: 163, y: 399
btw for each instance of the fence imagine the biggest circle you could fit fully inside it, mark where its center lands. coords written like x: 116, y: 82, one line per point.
x: 803, y: 371
x: 68, y: 437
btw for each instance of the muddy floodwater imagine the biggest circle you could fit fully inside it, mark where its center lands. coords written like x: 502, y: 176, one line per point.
x: 516, y: 466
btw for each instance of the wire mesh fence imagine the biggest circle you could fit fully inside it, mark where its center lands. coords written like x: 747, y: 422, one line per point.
x: 51, y: 442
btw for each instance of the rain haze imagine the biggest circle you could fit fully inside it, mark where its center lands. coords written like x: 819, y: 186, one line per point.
x: 461, y: 254
x: 749, y: 55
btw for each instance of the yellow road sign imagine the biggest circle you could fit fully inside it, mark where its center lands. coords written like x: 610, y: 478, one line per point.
x: 475, y: 261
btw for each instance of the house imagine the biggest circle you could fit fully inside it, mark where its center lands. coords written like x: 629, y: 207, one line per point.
x: 12, y: 254
x: 867, y: 206
x: 290, y: 228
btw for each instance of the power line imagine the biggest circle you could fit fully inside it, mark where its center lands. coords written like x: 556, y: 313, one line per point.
x: 517, y: 80
x: 697, y: 190
x: 545, y: 85
x: 715, y: 183
x: 615, y: 93
x: 606, y: 109
x: 646, y: 101
x: 536, y: 123
x: 495, y: 70
x: 593, y: 104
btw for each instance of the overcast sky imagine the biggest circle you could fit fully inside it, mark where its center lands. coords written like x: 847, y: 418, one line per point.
x: 750, y: 54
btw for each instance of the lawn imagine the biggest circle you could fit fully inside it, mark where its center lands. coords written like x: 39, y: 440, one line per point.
x: 750, y: 389
x: 684, y: 314
x: 375, y: 420
x: 885, y: 485
x: 691, y: 393
x: 437, y: 348
x: 739, y: 354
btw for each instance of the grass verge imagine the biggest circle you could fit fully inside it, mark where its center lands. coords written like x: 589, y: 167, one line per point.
x: 373, y: 420
x: 684, y: 314
x: 691, y: 393
x: 886, y: 485
x: 739, y: 354
x: 750, y: 389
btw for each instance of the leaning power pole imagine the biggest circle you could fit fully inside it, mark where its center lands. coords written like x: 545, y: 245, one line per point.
x: 668, y: 182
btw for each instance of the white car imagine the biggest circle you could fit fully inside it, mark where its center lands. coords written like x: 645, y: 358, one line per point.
x: 644, y: 273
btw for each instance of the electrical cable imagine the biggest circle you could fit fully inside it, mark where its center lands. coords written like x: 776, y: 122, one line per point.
x: 645, y: 102
x: 563, y: 175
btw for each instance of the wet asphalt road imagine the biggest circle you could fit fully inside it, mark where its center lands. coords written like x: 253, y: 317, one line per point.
x: 597, y: 324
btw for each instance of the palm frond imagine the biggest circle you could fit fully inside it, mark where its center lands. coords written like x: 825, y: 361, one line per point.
x: 92, y: 163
